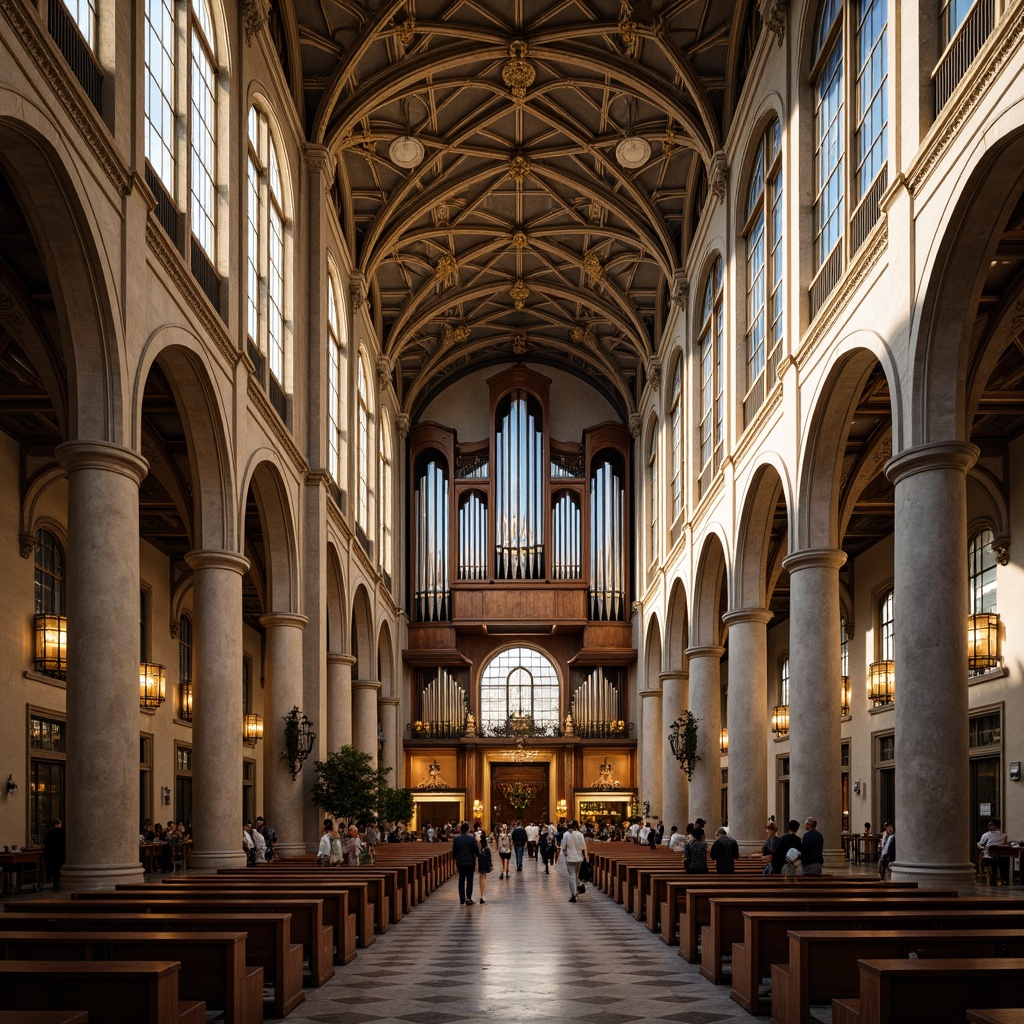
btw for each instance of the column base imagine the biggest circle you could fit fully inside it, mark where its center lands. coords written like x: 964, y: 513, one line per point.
x: 935, y: 876
x: 749, y: 847
x: 285, y: 850
x: 208, y: 861
x: 100, y: 876
x: 835, y: 860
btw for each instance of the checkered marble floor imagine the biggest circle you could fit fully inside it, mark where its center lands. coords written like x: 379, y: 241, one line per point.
x: 527, y: 956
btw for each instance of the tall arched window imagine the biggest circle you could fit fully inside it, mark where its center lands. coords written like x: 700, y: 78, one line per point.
x: 49, y: 574
x: 784, y: 681
x: 981, y: 570
x: 675, y: 412
x: 386, y: 503
x: 653, y: 500
x: 335, y: 376
x: 886, y: 628
x: 520, y: 683
x: 850, y: 34
x: 266, y: 261
x: 181, y: 125
x: 710, y: 351
x: 185, y: 667
x: 764, y: 270
x: 364, y: 412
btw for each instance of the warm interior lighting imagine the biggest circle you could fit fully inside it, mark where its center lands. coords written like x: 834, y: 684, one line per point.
x: 252, y: 729
x: 844, y: 695
x: 982, y: 641
x: 186, y: 701
x: 152, y: 685
x: 52, y: 645
x: 882, y: 682
x: 725, y: 741
x: 780, y: 719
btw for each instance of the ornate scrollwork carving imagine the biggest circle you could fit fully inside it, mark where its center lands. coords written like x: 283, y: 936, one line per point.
x: 518, y: 168
x: 518, y: 73
x: 1001, y: 549
x: 255, y: 14
x: 519, y: 342
x: 718, y: 175
x: 773, y: 14
x: 357, y: 291
x: 654, y: 372
x: 680, y: 289
x: 519, y: 293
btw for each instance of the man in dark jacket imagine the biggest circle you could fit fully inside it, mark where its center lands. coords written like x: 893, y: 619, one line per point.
x: 725, y: 851
x: 465, y: 852
x: 812, y: 848
x: 55, y: 851
x: 790, y: 841
x: 519, y: 844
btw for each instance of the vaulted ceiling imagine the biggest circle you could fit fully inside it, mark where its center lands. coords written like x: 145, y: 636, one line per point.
x: 566, y: 149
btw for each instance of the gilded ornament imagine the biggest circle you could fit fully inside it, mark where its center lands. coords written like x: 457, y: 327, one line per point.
x: 453, y: 335
x: 669, y: 145
x: 519, y: 342
x: 627, y: 26
x: 592, y: 265
x: 445, y: 266
x: 519, y: 293
x: 518, y: 73
x: 519, y: 240
x: 518, y: 168
x: 407, y: 30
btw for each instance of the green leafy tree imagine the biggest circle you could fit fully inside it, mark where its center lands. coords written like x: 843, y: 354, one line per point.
x: 395, y: 806
x: 347, y: 785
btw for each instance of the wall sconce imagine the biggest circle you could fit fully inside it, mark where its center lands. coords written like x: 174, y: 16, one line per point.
x: 982, y: 641
x: 165, y: 795
x: 185, y: 709
x: 152, y: 685
x: 725, y: 741
x: 857, y: 787
x: 780, y: 719
x: 844, y: 695
x: 298, y: 740
x: 882, y: 682
x: 11, y: 786
x: 478, y: 809
x: 252, y: 730
x: 52, y: 645
x: 561, y: 808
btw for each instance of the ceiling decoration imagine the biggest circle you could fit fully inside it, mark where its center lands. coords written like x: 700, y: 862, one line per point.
x: 519, y: 168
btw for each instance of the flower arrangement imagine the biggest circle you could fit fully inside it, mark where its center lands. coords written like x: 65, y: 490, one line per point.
x: 518, y: 795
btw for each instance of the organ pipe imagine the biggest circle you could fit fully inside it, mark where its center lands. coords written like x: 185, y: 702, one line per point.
x: 432, y: 593
x: 443, y: 706
x: 565, y: 540
x: 520, y: 486
x: 472, y: 538
x: 595, y: 706
x: 607, y: 542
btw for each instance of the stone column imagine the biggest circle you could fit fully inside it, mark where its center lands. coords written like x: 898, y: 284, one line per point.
x: 930, y: 615
x: 364, y: 716
x: 815, y: 695
x: 217, y: 708
x: 339, y: 700
x: 283, y: 796
x: 706, y: 705
x: 102, y: 806
x: 673, y: 781
x: 748, y: 721
x: 387, y: 711
x: 650, y: 750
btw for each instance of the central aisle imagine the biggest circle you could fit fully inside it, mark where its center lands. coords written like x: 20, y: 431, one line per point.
x: 527, y: 955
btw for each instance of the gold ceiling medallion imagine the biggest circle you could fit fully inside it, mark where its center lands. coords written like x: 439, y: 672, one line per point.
x: 518, y: 72
x: 407, y: 29
x: 627, y: 26
x: 453, y: 335
x: 518, y: 168
x: 519, y: 293
x: 582, y: 336
x: 519, y: 240
x: 519, y: 342
x: 445, y: 266
x: 670, y: 142
x: 592, y: 265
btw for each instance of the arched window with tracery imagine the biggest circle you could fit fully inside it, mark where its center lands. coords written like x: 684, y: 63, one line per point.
x: 519, y: 688
x: 364, y: 418
x: 49, y: 574
x: 520, y: 480
x: 765, y: 296
x: 710, y: 349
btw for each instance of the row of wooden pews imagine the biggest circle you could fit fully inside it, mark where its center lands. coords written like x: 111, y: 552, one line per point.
x: 174, y: 950
x: 881, y: 953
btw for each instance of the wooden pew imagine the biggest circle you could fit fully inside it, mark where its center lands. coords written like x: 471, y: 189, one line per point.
x: 929, y: 991
x: 213, y: 967
x: 308, y: 926
x: 973, y: 1017
x: 268, y: 943
x: 822, y: 965
x: 766, y: 934
x: 147, y: 991
x: 44, y: 1017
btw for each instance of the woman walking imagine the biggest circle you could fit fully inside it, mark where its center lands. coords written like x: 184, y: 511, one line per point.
x: 504, y: 850
x: 484, y: 864
x: 574, y: 853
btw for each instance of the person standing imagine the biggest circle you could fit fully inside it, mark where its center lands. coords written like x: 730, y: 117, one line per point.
x: 790, y: 841
x: 532, y: 839
x: 465, y: 853
x: 574, y: 853
x: 547, y: 847
x: 887, y: 849
x: 372, y: 834
x: 323, y: 852
x: 260, y: 847
x: 504, y: 851
x: 55, y: 851
x: 812, y: 848
x: 519, y: 843
x: 269, y: 836
x: 768, y: 846
x: 695, y: 853
x: 676, y: 840
x: 725, y: 851
x: 485, y: 864
x: 995, y: 836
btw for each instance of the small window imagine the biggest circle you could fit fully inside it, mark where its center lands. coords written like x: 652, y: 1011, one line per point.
x: 886, y: 629
x: 784, y: 681
x: 981, y: 568
x: 185, y: 668
x: 49, y: 574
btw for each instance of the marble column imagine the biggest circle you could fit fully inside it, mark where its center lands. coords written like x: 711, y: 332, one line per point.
x: 339, y: 701
x: 815, y: 695
x: 748, y: 724
x: 217, y: 708
x: 706, y: 706
x: 930, y: 616
x: 387, y: 711
x: 673, y: 781
x: 364, y: 716
x: 102, y: 805
x: 283, y: 796
x: 650, y: 750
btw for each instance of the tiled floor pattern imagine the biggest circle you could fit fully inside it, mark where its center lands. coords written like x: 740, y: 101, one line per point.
x: 527, y: 955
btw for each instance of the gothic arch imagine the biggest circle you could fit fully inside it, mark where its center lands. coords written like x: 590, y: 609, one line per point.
x: 264, y: 477
x: 709, y: 591
x: 677, y: 629
x: 757, y: 554
x: 337, y: 635
x: 362, y: 636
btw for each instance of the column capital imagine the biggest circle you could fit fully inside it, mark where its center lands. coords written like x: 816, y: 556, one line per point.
x: 923, y: 458
x: 392, y: 701
x: 103, y: 455
x: 366, y: 684
x: 708, y: 651
x: 680, y: 674
x: 337, y: 658
x: 284, y: 619
x: 650, y: 693
x: 814, y: 558
x: 212, y: 558
x: 762, y: 615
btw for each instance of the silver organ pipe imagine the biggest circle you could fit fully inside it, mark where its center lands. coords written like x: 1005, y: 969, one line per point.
x: 443, y: 706
x: 565, y: 540
x: 595, y: 706
x: 473, y: 538
x: 607, y: 543
x: 520, y: 480
x: 432, y: 596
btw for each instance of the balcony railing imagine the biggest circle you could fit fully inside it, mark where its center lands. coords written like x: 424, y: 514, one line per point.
x: 205, y: 274
x: 962, y: 50
x: 166, y: 212
x: 66, y: 35
x: 867, y: 213
x: 826, y: 279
